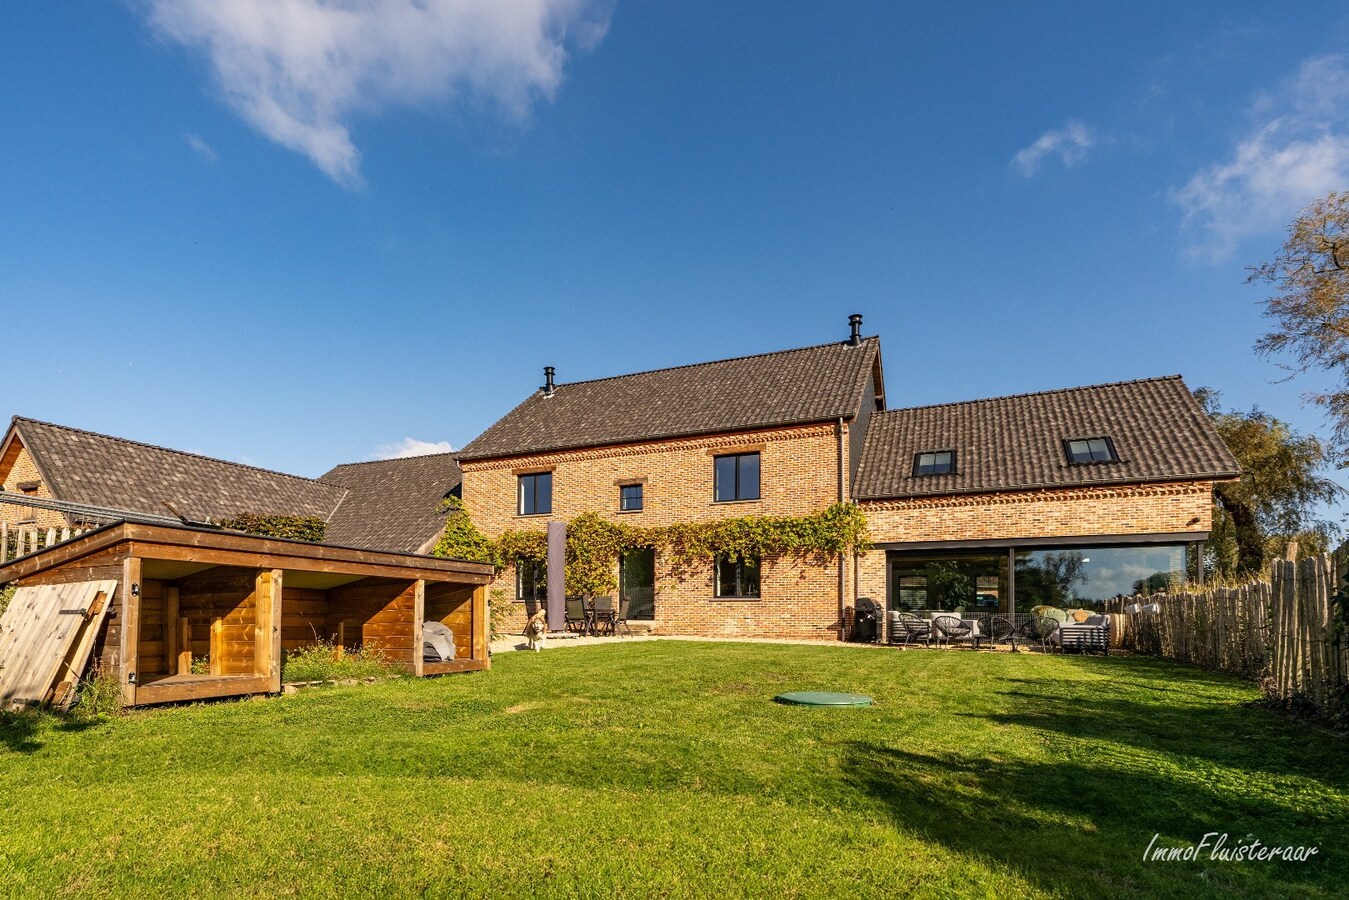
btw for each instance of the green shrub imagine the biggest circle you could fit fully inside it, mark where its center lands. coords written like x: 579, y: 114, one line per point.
x: 6, y: 594
x: 201, y: 665
x: 99, y: 696
x: 322, y: 662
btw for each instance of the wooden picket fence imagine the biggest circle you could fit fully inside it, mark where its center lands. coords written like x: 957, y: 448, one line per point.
x: 1280, y: 631
x: 20, y: 540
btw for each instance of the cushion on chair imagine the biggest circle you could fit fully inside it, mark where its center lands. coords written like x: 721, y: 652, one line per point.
x: 1079, y: 615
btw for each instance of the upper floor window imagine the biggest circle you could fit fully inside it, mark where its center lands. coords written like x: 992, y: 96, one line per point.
x: 1090, y: 450
x: 737, y: 477
x: 939, y: 462
x: 536, y: 494
x: 629, y: 497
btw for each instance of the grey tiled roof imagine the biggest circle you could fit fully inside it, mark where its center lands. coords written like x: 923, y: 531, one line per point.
x: 789, y: 387
x: 85, y: 467
x: 393, y: 504
x: 1010, y: 443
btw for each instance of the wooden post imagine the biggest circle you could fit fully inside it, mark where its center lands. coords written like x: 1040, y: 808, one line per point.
x: 184, y: 646
x: 418, y: 618
x: 217, y: 645
x: 171, y: 631
x: 341, y: 640
x: 131, y: 628
x: 262, y: 620
x: 4, y: 542
x: 480, y: 622
x: 267, y: 630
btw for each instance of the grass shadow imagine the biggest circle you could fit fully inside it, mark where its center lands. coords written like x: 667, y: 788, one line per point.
x: 20, y: 729
x: 1084, y: 824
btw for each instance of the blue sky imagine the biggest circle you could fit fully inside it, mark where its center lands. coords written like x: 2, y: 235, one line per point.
x: 293, y: 236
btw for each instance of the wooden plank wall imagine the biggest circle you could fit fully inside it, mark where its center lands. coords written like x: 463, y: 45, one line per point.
x: 452, y: 604
x: 385, y: 612
x: 151, y: 659
x: 304, y: 618
x: 221, y: 609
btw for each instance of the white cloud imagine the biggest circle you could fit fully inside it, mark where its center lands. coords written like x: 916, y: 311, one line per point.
x: 410, y: 447
x: 300, y: 70
x: 1296, y: 150
x: 1070, y: 143
x: 201, y: 148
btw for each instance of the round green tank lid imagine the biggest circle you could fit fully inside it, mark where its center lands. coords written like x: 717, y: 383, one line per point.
x: 823, y: 698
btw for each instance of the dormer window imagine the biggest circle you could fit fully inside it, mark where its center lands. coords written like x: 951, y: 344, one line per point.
x: 1082, y: 451
x: 935, y: 462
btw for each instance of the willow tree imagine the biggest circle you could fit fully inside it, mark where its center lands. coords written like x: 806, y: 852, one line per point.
x: 1310, y: 307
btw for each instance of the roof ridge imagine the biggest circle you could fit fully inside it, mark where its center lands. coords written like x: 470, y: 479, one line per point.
x: 1067, y: 390
x: 370, y: 462
x: 713, y: 362
x: 202, y: 456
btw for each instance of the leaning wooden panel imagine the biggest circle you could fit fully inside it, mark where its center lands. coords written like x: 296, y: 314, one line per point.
x: 39, y: 632
x: 77, y: 658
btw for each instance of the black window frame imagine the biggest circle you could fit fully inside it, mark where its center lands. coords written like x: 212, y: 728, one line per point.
x: 640, y: 488
x: 533, y: 478
x: 1072, y: 457
x: 950, y: 465
x: 738, y: 498
x: 740, y: 580
x: 538, y: 575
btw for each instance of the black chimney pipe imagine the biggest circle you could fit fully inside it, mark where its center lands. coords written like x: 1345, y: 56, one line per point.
x: 855, y: 320
x: 547, y: 381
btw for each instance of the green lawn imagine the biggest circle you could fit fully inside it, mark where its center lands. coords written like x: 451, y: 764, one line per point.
x: 663, y: 768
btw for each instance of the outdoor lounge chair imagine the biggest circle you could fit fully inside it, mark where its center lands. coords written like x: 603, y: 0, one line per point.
x: 437, y: 642
x: 574, y: 615
x: 905, y: 627
x: 1092, y: 634
x: 996, y: 629
x: 1039, y: 630
x: 951, y: 628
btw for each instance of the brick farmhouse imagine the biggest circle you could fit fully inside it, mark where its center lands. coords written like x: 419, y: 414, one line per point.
x: 1067, y: 496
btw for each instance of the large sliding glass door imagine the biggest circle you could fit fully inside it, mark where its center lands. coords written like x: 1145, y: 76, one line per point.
x: 969, y: 583
x: 978, y: 583
x: 1085, y: 577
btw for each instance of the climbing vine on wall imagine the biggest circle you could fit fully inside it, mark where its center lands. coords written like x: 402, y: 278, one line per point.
x: 594, y: 542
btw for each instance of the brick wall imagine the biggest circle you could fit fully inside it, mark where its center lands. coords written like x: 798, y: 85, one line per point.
x: 17, y: 468
x: 1124, y: 510
x: 798, y: 476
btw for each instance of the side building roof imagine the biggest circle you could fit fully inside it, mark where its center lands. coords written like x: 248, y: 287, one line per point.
x: 101, y: 470
x: 1010, y: 443
x: 788, y: 387
x: 393, y: 504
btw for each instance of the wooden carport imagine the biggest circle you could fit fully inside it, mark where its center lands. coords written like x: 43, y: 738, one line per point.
x: 240, y: 601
